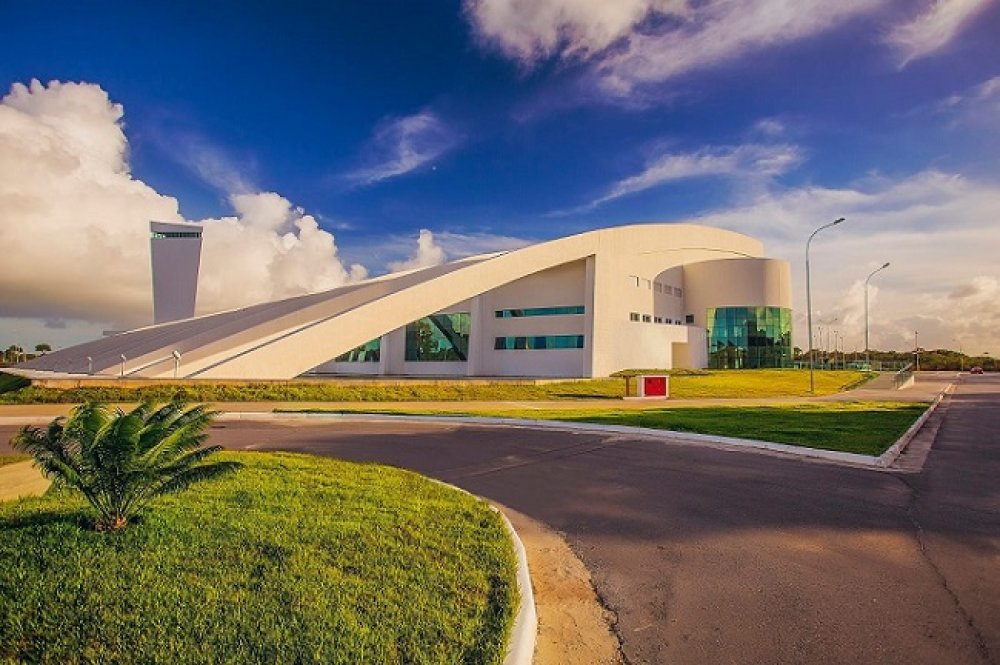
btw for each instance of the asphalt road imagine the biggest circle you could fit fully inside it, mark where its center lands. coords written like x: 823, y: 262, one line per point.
x: 710, y: 556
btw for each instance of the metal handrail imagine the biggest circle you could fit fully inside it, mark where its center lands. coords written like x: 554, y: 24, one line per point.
x: 146, y: 365
x: 902, y: 376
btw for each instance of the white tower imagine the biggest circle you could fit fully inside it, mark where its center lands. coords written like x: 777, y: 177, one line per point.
x: 176, y: 252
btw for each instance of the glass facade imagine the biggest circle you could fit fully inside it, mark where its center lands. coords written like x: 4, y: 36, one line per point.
x: 538, y: 311
x: 539, y: 342
x: 439, y: 338
x: 368, y: 352
x: 749, y: 337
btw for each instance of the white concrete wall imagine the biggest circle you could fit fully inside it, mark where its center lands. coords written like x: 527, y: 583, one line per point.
x: 562, y: 286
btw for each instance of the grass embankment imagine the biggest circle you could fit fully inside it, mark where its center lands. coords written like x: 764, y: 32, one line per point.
x: 293, y: 559
x: 866, y: 428
x: 683, y: 385
x: 13, y: 459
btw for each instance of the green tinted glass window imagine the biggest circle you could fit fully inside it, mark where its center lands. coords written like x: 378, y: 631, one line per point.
x: 369, y: 352
x: 439, y: 338
x: 749, y: 337
x: 539, y: 342
x: 538, y: 311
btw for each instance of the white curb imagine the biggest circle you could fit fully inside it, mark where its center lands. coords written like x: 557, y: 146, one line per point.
x: 887, y: 458
x: 521, y: 648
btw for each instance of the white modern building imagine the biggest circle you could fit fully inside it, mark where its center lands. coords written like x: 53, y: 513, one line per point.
x: 639, y: 296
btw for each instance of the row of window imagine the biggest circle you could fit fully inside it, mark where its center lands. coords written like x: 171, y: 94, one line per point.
x: 538, y: 311
x: 539, y: 342
x: 659, y: 287
x: 445, y: 338
x: 648, y: 318
x: 176, y: 234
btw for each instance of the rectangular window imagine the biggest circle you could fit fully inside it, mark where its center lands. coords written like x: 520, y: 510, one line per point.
x: 647, y: 284
x: 538, y: 342
x: 538, y: 311
x: 176, y: 234
x: 689, y: 318
x: 658, y: 287
x: 633, y: 280
x: 657, y: 319
x: 633, y: 316
x: 646, y: 318
x: 369, y: 352
x: 678, y: 293
x: 439, y: 338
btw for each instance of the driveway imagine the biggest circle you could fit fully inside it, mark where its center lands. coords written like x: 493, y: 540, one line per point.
x: 711, y: 556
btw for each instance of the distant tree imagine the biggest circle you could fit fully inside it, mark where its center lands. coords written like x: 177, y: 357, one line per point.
x: 43, y: 348
x: 121, y: 461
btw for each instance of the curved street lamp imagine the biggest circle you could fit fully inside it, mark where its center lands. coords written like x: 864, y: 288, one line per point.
x: 809, y: 307
x: 868, y: 360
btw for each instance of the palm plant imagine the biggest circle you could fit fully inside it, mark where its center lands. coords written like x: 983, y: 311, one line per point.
x: 119, y: 460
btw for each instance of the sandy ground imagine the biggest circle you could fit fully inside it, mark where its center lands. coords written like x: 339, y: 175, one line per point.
x: 573, y: 627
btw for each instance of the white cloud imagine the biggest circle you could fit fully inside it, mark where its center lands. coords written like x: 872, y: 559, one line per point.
x: 769, y: 127
x: 937, y: 229
x: 269, y: 250
x: 750, y: 160
x: 933, y: 29
x: 530, y: 30
x: 637, y: 42
x: 74, y: 223
x: 401, y: 145
x: 427, y: 254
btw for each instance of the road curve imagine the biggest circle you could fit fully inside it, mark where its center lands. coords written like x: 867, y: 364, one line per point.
x: 717, y: 556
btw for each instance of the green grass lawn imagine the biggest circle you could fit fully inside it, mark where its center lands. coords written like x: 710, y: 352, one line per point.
x: 683, y: 385
x: 867, y: 428
x: 294, y: 559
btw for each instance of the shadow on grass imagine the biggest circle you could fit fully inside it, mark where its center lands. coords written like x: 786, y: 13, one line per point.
x: 30, y: 519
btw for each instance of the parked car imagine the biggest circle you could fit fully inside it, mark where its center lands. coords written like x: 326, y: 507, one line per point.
x: 976, y: 370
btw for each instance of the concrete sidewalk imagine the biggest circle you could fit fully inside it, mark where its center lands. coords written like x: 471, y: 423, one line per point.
x: 21, y: 479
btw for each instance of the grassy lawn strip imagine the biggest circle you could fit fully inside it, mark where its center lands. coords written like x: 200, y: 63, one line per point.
x: 867, y: 428
x: 722, y: 384
x: 13, y: 459
x: 293, y: 559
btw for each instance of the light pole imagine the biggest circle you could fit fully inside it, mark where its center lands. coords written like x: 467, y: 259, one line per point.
x: 916, y: 350
x: 836, y: 334
x: 809, y: 306
x: 868, y: 360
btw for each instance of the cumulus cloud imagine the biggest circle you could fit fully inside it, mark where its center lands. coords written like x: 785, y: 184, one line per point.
x: 934, y: 28
x: 631, y: 43
x: 74, y: 222
x: 897, y: 220
x: 751, y: 160
x: 401, y: 145
x: 427, y: 254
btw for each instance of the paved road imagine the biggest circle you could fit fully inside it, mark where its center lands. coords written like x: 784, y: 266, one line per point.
x: 710, y: 556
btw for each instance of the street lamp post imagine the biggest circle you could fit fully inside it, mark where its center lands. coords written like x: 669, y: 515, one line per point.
x: 809, y: 307
x: 868, y: 359
x: 916, y: 350
x: 836, y: 335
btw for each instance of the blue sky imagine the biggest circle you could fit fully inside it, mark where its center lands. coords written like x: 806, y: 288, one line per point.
x: 496, y: 122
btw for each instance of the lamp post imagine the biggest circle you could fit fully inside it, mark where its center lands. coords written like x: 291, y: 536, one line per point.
x: 836, y: 335
x: 809, y: 307
x: 916, y: 350
x: 868, y: 360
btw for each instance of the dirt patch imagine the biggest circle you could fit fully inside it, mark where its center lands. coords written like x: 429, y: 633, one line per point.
x: 573, y: 627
